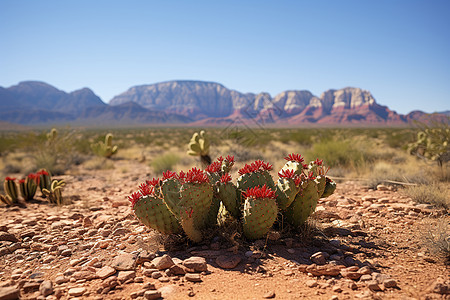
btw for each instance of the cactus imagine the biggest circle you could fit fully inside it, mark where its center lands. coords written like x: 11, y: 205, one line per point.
x: 28, y: 186
x: 7, y: 200
x: 199, y: 146
x: 54, y: 193
x: 105, y: 149
x: 52, y: 135
x: 11, y: 190
x: 198, y: 199
x: 260, y: 211
x: 45, y: 181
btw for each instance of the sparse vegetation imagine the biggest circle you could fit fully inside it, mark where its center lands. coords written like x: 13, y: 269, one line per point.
x: 164, y: 162
x: 436, y: 194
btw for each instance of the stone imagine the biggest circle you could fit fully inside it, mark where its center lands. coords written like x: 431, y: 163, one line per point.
x: 105, y: 272
x: 176, y: 270
x: 61, y: 279
x: 440, y: 286
x: 228, y: 262
x: 269, y: 295
x: 9, y: 293
x: 319, y: 258
x: 8, y: 237
x: 123, y: 276
x: 390, y: 283
x: 196, y: 263
x: 311, y: 283
x: 46, y: 288
x: 193, y: 277
x: 144, y: 256
x: 121, y: 231
x: 76, y: 292
x: 350, y: 274
x: 31, y: 286
x: 373, y: 285
x: 152, y: 295
x: 124, y: 262
x: 156, y: 275
x: 163, y: 262
x: 327, y: 270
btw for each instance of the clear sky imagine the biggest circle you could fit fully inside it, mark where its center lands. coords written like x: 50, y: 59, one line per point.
x: 397, y: 49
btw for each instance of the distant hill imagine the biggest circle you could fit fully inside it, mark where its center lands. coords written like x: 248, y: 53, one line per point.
x: 195, y: 103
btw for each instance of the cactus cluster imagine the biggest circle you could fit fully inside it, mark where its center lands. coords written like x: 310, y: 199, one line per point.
x: 28, y: 187
x: 432, y: 143
x: 106, y: 148
x: 191, y: 201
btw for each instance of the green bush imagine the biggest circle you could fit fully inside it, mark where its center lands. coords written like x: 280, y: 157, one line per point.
x: 164, y: 162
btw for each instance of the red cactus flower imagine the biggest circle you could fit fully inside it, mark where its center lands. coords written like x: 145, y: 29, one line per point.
x: 189, y: 212
x: 286, y: 173
x: 195, y: 175
x: 298, y: 180
x: 21, y: 181
x: 153, y: 182
x: 168, y: 174
x: 225, y: 178
x: 42, y: 172
x: 259, y: 192
x: 311, y: 176
x: 214, y: 167
x: 146, y: 189
x: 134, y: 198
x: 35, y: 177
x: 257, y: 166
x: 10, y: 179
x: 295, y: 157
x: 220, y: 159
x: 318, y: 162
x: 181, y: 176
x: 230, y: 158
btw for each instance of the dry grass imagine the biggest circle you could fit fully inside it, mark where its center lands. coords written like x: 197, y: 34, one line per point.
x: 437, y: 194
x: 98, y: 163
x: 437, y: 238
x: 164, y: 162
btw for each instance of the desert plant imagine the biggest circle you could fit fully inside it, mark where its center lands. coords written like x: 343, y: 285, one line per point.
x: 45, y: 180
x: 432, y: 142
x: 199, y: 146
x: 28, y: 186
x: 106, y: 148
x: 54, y: 192
x: 437, y: 238
x: 191, y: 201
x: 435, y: 194
x: 11, y: 191
x: 164, y: 162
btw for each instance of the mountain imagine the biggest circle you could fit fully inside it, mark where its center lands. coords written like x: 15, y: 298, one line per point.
x: 196, y: 103
x: 33, y: 102
x: 209, y: 103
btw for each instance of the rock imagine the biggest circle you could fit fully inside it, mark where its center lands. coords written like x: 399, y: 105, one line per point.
x: 145, y: 256
x: 390, y: 283
x: 269, y: 295
x: 118, y: 203
x: 46, y: 288
x: 123, y: 276
x: 440, y: 286
x: 31, y: 286
x: 319, y: 258
x: 76, y: 292
x: 124, y: 262
x: 176, y: 270
x: 152, y: 295
x: 350, y: 274
x: 373, y: 285
x: 8, y: 237
x: 66, y: 252
x: 327, y: 270
x: 196, y: 263
x: 85, y: 274
x: 149, y: 286
x: 61, y: 279
x: 163, y: 262
x: 9, y: 293
x: 273, y: 235
x: 105, y: 272
x: 311, y: 283
x: 228, y: 262
x: 382, y: 187
x: 193, y: 277
x: 121, y: 231
x: 156, y: 275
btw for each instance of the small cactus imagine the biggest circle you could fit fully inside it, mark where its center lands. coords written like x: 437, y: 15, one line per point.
x: 54, y: 193
x: 199, y: 146
x: 106, y: 148
x: 7, y: 200
x: 45, y: 180
x: 28, y: 186
x: 52, y: 135
x: 11, y: 190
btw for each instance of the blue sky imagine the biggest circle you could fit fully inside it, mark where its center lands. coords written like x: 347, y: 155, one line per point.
x: 397, y: 49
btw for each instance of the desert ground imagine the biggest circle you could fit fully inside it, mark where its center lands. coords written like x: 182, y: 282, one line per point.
x: 369, y: 240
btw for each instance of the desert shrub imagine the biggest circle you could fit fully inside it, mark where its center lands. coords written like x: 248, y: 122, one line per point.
x: 435, y: 194
x: 164, y: 162
x: 98, y: 163
x: 437, y: 238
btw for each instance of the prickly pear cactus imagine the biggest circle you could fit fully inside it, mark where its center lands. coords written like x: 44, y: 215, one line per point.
x: 288, y: 186
x: 228, y: 194
x: 199, y: 146
x: 255, y: 174
x: 152, y: 210
x: 304, y: 204
x: 260, y: 211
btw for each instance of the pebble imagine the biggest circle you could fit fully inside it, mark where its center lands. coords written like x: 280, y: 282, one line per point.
x: 162, y: 262
x: 46, y: 288
x: 105, y: 272
x: 311, y: 283
x: 193, y: 277
x: 319, y: 258
x: 9, y: 293
x: 124, y: 262
x: 390, y: 283
x: 228, y: 262
x: 152, y: 295
x: 76, y: 292
x: 61, y: 279
x: 124, y: 276
x: 196, y: 263
x: 269, y: 295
